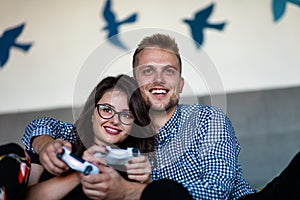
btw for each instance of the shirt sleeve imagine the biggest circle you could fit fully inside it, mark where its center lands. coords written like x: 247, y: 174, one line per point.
x: 217, y: 176
x: 218, y: 167
x: 48, y: 126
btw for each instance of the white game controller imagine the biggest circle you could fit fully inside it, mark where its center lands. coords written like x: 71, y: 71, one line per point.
x: 77, y: 163
x: 116, y: 156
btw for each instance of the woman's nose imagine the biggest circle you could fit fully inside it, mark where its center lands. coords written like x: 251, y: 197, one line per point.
x: 115, y: 119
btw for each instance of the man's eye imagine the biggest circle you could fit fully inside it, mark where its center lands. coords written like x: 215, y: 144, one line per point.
x: 169, y: 71
x: 147, y: 71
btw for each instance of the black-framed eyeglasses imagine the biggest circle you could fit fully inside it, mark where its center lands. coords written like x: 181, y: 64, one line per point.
x: 107, y: 112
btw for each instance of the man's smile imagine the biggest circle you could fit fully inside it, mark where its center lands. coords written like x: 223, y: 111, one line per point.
x: 158, y: 91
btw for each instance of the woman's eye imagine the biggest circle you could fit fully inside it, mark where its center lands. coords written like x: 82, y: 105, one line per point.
x: 108, y: 110
x: 126, y: 115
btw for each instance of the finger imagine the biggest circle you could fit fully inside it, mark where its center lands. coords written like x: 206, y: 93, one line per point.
x: 49, y: 166
x: 139, y: 172
x: 89, y: 156
x: 49, y: 159
x: 97, y: 149
x: 138, y: 169
x: 97, y: 185
x: 107, y: 172
x: 53, y: 152
x: 67, y: 144
x: 139, y: 159
x: 90, y: 179
x: 58, y: 144
x: 135, y: 167
x: 93, y: 193
x: 140, y: 178
x: 96, y: 161
x: 138, y: 163
x: 95, y: 154
x: 91, y: 187
x: 56, y: 164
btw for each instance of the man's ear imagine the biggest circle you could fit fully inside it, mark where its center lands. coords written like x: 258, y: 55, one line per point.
x: 181, y: 84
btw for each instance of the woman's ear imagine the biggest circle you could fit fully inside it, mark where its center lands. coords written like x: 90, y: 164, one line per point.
x: 93, y: 118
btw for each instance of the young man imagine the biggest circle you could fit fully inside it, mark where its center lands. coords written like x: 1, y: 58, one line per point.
x: 196, y: 144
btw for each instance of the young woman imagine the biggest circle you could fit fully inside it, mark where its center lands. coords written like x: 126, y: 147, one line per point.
x: 114, y: 115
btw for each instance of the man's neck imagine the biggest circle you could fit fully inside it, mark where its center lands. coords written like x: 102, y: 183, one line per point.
x: 159, y: 118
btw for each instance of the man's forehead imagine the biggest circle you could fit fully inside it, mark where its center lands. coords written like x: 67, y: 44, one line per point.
x: 154, y: 64
x: 153, y: 57
x: 158, y: 48
x: 150, y: 51
x: 157, y: 66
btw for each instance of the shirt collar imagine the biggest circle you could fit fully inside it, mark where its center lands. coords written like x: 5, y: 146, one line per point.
x: 170, y: 128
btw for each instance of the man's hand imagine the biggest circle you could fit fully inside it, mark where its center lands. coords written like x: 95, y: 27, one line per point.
x: 47, y: 148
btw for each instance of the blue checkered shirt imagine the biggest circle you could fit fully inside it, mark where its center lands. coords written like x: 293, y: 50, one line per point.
x: 48, y: 126
x: 197, y: 147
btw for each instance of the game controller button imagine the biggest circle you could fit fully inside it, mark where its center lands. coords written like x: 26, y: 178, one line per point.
x: 59, y: 155
x: 135, y: 151
x: 87, y: 170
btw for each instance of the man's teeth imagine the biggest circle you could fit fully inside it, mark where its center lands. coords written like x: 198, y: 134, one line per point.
x: 158, y: 91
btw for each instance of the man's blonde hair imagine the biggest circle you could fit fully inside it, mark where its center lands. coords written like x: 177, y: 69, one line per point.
x: 160, y: 41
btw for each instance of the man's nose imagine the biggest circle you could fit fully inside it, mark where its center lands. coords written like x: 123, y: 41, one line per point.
x: 159, y: 78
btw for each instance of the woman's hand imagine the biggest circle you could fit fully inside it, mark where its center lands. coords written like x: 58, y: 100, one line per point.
x: 91, y: 155
x: 139, y: 169
x: 108, y: 184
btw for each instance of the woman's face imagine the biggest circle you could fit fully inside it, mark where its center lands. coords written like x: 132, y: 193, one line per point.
x: 111, y: 131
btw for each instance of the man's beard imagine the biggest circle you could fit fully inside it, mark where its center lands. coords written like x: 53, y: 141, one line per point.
x: 162, y: 108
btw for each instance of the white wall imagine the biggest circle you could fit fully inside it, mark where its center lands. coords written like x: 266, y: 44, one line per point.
x: 252, y: 52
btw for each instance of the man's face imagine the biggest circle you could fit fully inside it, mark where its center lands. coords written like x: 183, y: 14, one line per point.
x: 158, y: 76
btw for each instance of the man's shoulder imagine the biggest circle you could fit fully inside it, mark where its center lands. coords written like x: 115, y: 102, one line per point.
x: 201, y: 108
x: 199, y: 113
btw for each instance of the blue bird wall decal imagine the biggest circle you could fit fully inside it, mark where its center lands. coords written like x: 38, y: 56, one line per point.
x: 278, y: 7
x: 113, y: 24
x: 200, y: 22
x: 8, y: 40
